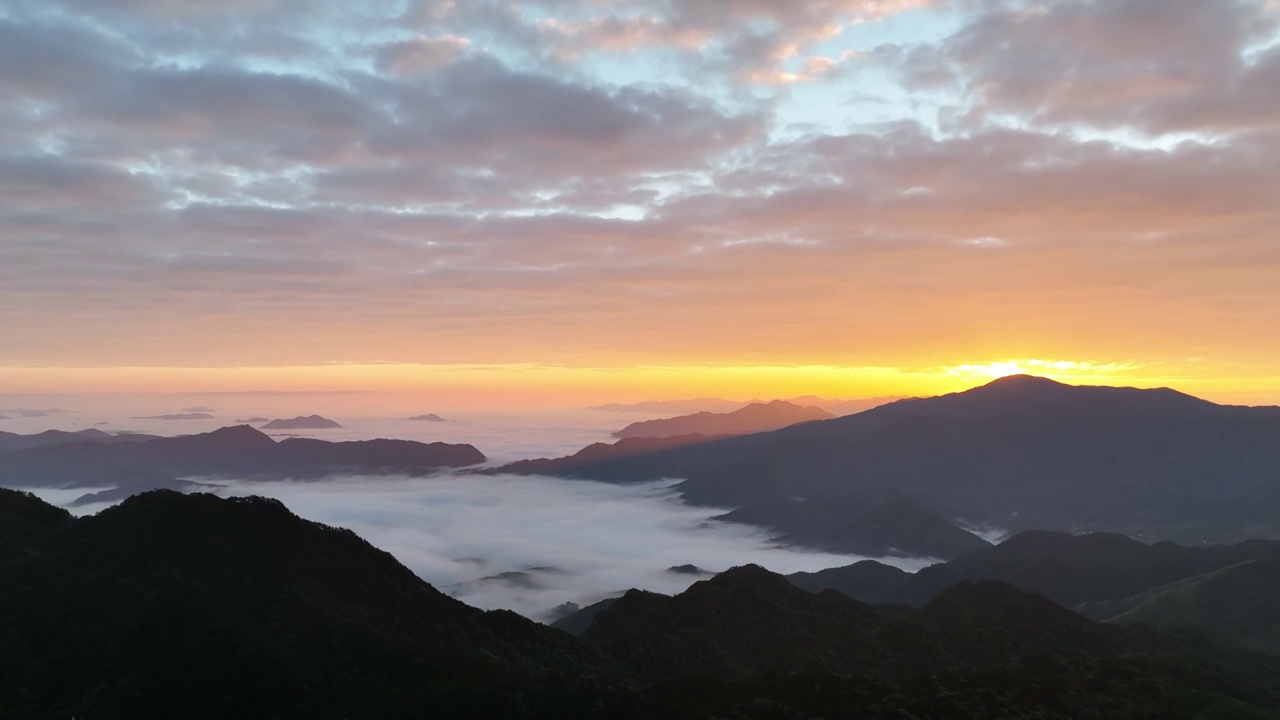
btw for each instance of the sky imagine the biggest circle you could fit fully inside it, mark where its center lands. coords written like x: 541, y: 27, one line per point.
x: 562, y: 202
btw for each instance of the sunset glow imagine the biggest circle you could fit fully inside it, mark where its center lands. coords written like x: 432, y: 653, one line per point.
x: 551, y: 204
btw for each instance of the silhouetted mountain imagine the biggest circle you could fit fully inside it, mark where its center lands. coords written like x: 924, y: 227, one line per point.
x: 25, y: 522
x: 534, y: 578
x: 174, y: 605
x: 688, y: 569
x: 754, y: 418
x: 577, y: 622
x: 1240, y: 603
x: 429, y: 417
x: 692, y: 405
x: 747, y: 621
x: 1069, y: 569
x: 178, y: 416
x: 237, y: 452
x: 719, y: 405
x: 12, y: 441
x: 126, y: 484
x: 1021, y: 452
x: 876, y: 523
x: 310, y: 422
x: 840, y: 408
x: 868, y: 581
x: 595, y: 453
x: 192, y: 606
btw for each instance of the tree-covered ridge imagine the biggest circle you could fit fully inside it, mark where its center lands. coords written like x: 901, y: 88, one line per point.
x: 173, y: 605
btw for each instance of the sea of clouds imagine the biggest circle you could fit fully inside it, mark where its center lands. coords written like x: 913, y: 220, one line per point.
x: 577, y: 541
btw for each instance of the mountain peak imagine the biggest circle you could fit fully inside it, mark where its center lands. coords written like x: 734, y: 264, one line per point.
x: 1024, y: 381
x: 1034, y: 396
x: 239, y: 433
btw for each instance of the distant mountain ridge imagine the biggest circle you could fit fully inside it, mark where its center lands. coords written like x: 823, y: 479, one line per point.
x: 310, y: 422
x: 13, y: 441
x: 594, y: 453
x: 238, y: 451
x: 720, y: 405
x: 754, y: 418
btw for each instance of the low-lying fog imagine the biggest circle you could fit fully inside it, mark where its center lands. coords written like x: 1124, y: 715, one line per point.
x: 576, y: 541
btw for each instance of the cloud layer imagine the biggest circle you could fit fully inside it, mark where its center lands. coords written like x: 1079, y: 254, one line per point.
x: 870, y: 182
x: 584, y: 540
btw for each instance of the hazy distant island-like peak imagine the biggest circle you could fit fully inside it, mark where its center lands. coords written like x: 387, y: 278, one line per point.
x: 691, y: 405
x: 754, y: 418
x: 254, y: 421
x: 310, y: 422
x: 429, y: 417
x: 177, y: 416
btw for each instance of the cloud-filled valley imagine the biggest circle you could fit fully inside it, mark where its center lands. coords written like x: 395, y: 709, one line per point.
x: 591, y: 540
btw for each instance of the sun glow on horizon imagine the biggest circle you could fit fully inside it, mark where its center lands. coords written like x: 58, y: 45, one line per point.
x: 1065, y: 370
x: 534, y: 386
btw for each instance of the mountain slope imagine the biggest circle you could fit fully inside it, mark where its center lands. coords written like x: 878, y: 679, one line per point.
x: 1069, y: 569
x: 754, y: 418
x: 749, y: 623
x: 1022, y: 452
x: 876, y: 523
x: 194, y: 606
x: 1240, y: 603
x: 747, y: 620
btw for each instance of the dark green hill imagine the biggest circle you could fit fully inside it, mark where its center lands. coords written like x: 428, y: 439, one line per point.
x: 868, y: 581
x: 1239, y: 603
x: 1069, y: 569
x: 26, y: 522
x: 192, y: 606
x: 174, y: 605
x: 748, y: 620
x: 983, y: 649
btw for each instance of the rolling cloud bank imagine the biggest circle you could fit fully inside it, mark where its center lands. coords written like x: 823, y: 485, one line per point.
x: 574, y: 541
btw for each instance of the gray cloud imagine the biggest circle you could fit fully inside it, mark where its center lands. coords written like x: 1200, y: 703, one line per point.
x: 302, y: 181
x: 1156, y: 65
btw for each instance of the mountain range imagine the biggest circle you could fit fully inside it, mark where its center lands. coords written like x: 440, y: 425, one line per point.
x: 754, y: 418
x: 92, y: 458
x: 719, y: 405
x: 1021, y: 453
x: 171, y: 605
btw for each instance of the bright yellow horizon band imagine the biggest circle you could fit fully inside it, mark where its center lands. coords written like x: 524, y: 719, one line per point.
x: 526, y: 386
